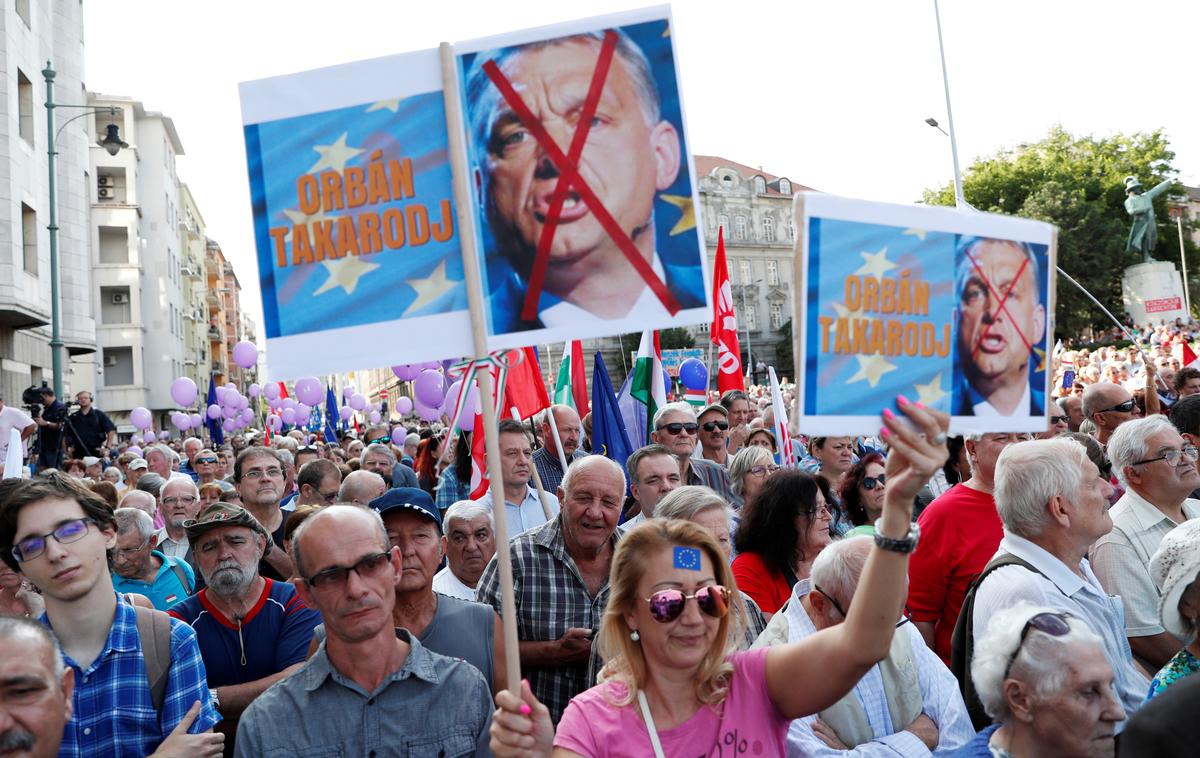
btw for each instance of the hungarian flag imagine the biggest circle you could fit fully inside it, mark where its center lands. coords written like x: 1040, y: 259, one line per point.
x: 571, y: 387
x: 783, y: 439
x: 644, y: 392
x: 724, y: 328
x: 524, y: 388
x: 479, y: 470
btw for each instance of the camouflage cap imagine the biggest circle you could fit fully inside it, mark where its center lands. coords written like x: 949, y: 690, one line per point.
x: 222, y: 514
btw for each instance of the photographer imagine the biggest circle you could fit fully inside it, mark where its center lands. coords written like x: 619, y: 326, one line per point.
x: 95, y: 433
x: 50, y: 422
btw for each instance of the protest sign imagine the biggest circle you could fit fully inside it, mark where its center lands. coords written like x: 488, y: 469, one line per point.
x: 584, y: 193
x: 949, y: 308
x: 358, y: 247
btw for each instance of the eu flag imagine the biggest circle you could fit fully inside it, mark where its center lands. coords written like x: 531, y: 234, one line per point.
x: 331, y: 415
x: 214, y: 424
x: 608, y: 428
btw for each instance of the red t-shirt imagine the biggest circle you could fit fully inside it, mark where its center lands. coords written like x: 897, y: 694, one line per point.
x: 767, y: 588
x: 960, y: 532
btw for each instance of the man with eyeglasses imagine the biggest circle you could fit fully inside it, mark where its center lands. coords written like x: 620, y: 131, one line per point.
x: 675, y: 428
x: 714, y: 435
x: 906, y: 705
x: 252, y: 631
x: 1108, y: 406
x: 178, y: 503
x: 370, y: 689
x: 1158, y: 468
x: 653, y: 472
x: 318, y: 480
x: 258, y: 476
x: 139, y: 568
x: 208, y: 470
x: 57, y: 532
x: 1072, y: 407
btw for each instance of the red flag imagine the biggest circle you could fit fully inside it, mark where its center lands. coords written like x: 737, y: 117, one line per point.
x: 524, y: 387
x: 479, y: 472
x: 282, y: 390
x: 1187, y: 357
x: 724, y: 327
x: 579, y: 390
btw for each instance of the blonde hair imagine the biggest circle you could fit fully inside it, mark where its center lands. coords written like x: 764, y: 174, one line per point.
x: 624, y: 660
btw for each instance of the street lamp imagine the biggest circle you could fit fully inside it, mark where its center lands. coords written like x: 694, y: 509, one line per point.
x: 749, y: 350
x: 933, y: 122
x: 113, y: 144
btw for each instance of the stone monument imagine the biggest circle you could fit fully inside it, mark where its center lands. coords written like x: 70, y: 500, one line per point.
x: 1152, y: 290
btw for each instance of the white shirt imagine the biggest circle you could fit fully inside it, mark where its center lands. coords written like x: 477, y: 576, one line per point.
x: 987, y: 409
x: 526, y: 515
x: 170, y: 547
x: 12, y: 418
x: 647, y: 305
x: 447, y: 583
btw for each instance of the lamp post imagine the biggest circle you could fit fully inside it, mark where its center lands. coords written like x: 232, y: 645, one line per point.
x: 749, y: 349
x: 113, y: 144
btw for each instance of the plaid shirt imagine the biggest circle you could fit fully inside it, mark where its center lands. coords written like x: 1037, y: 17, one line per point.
x: 713, y: 475
x: 551, y: 597
x: 113, y: 714
x: 450, y: 490
x: 550, y: 469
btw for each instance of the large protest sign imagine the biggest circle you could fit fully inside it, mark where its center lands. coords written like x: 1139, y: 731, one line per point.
x: 583, y: 181
x: 949, y: 308
x: 358, y: 248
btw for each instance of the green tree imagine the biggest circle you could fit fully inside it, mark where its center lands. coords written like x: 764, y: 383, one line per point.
x: 677, y: 338
x: 1077, y: 183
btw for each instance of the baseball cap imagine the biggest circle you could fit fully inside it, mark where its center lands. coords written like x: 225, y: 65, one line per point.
x: 411, y: 498
x: 714, y: 407
x: 1174, y: 567
x: 90, y: 460
x: 221, y: 514
x: 137, y: 463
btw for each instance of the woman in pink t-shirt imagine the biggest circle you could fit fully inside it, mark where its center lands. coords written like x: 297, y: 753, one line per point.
x: 670, y: 685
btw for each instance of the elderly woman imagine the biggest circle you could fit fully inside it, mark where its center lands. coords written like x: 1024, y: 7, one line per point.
x: 671, y: 686
x: 1042, y: 675
x: 862, y: 493
x: 1175, y: 566
x: 763, y: 438
x: 702, y: 506
x: 780, y: 536
x: 748, y: 471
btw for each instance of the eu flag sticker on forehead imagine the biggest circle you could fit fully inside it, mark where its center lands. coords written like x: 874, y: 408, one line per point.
x: 687, y: 558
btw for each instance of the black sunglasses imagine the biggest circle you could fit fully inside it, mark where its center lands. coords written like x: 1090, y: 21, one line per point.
x: 1058, y: 419
x: 677, y: 427
x: 1125, y: 407
x: 206, y: 460
x: 337, y: 576
x: 712, y: 426
x: 1053, y: 624
x: 871, y: 482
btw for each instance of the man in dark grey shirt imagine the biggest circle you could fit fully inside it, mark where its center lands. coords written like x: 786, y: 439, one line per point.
x: 369, y: 690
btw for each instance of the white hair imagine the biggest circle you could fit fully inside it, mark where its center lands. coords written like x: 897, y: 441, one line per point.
x: 689, y: 501
x: 412, y: 439
x: 1038, y: 662
x: 286, y: 458
x: 16, y: 626
x: 587, y: 462
x: 1128, y: 444
x: 115, y: 470
x: 180, y: 481
x: 838, y: 567
x: 130, y: 519
x: 378, y: 447
x: 1029, y: 474
x: 680, y: 407
x: 466, y: 510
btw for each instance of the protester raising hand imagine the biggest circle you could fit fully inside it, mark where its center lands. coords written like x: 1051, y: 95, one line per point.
x: 180, y: 744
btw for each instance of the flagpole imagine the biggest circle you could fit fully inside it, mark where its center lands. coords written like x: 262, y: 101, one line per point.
x: 959, y: 198
x: 562, y: 457
x: 474, y: 282
x: 537, y: 479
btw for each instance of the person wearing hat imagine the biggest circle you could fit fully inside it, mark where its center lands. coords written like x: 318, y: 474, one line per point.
x: 252, y: 630
x: 1175, y: 567
x: 50, y: 423
x: 714, y: 435
x: 134, y: 471
x: 1143, y: 235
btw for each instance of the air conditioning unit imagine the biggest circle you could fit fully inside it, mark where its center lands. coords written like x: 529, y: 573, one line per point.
x: 110, y: 360
x: 104, y: 193
x: 104, y: 181
x: 120, y: 298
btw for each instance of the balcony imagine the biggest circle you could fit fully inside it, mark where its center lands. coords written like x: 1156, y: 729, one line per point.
x: 218, y: 368
x: 215, y: 334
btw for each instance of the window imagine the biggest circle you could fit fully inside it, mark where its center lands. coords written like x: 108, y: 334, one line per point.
x: 24, y: 107
x: 118, y: 366
x: 768, y: 224
x: 749, y: 317
x: 785, y: 187
x: 723, y: 222
x: 29, y: 234
x: 110, y: 184
x: 776, y: 315
x: 744, y: 271
x: 727, y: 181
x: 115, y: 306
x: 760, y: 185
x: 773, y: 273
x: 791, y: 231
x: 739, y: 228
x: 114, y: 244
x: 23, y: 11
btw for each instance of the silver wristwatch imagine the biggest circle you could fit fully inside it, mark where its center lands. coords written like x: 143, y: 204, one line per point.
x: 905, y: 544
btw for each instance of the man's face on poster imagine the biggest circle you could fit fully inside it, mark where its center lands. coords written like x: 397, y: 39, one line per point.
x: 996, y: 342
x: 629, y: 154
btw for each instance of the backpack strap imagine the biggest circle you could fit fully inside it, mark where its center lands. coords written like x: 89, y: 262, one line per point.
x: 154, y: 629
x: 180, y: 575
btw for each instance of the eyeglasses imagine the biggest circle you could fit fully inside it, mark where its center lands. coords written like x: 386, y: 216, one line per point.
x: 1058, y: 419
x: 677, y: 427
x: 329, y: 497
x: 66, y: 532
x: 186, y: 500
x: 871, y: 482
x: 1190, y: 452
x: 667, y: 605
x: 205, y: 460
x: 1053, y: 624
x: 1125, y: 407
x: 127, y: 551
x: 712, y: 426
x: 259, y: 473
x: 334, y: 578
x: 760, y: 470
x: 837, y: 606
x: 824, y: 510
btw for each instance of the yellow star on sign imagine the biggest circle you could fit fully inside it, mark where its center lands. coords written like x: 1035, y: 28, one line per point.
x: 429, y: 289
x: 871, y: 368
x: 930, y: 394
x: 876, y: 264
x: 300, y: 219
x: 392, y: 105
x: 918, y: 233
x: 334, y: 156
x: 844, y: 312
x: 345, y: 273
x: 1041, y: 356
x: 688, y: 210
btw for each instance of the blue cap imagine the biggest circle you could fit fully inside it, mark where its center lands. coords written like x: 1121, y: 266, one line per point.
x: 412, y: 498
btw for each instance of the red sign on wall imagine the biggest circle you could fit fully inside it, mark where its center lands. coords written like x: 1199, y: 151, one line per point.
x: 1163, y: 304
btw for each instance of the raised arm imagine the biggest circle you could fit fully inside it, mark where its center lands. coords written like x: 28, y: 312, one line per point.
x: 807, y: 676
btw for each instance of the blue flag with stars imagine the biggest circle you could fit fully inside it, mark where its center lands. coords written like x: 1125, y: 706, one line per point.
x: 608, y: 427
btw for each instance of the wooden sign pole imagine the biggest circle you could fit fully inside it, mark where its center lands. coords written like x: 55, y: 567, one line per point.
x: 537, y: 478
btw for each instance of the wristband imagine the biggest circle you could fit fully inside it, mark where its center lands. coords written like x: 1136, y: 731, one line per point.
x: 905, y: 544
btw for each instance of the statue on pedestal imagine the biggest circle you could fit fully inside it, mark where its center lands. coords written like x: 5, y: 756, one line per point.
x: 1143, y: 237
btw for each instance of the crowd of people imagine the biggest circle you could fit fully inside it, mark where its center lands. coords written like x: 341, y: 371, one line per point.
x: 906, y: 594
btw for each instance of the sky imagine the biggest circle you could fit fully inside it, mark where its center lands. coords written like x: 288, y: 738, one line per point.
x: 833, y: 95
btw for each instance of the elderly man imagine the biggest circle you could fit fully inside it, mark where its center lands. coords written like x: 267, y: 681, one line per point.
x: 159, y: 458
x: 178, y: 504
x: 1054, y: 505
x: 1044, y: 678
x: 564, y: 564
x: 208, y: 470
x: 906, y: 705
x: 361, y: 487
x: 258, y: 476
x: 997, y: 333
x: 675, y: 428
x: 138, y: 567
x: 1158, y: 469
x: 370, y: 689
x: 136, y: 469
x: 318, y: 483
x: 35, y: 689
x: 713, y: 434
x: 959, y: 534
x: 143, y: 501
x: 253, y: 632
x: 653, y: 472
x: 469, y: 541
x: 549, y: 467
x: 1108, y: 406
x: 192, y: 446
x: 1071, y: 406
x: 521, y: 502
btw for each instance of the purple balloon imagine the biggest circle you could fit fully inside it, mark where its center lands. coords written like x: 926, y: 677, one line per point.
x: 140, y: 418
x: 426, y: 413
x: 254, y: 390
x: 406, y: 372
x: 149, y: 438
x: 345, y: 412
x: 274, y: 423
x: 214, y: 411
x: 398, y: 435
x: 347, y: 391
x: 183, y: 391
x: 288, y: 415
x: 196, y: 420
x: 241, y: 402
x: 429, y: 387
x: 302, y: 412
x: 229, y: 425
x: 430, y: 365
x: 374, y: 417
x: 180, y: 421
x: 358, y: 402
x: 247, y: 415
x: 404, y: 406
x: 245, y: 354
x: 164, y: 434
x: 135, y: 450
x: 271, y: 391
x: 309, y: 390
